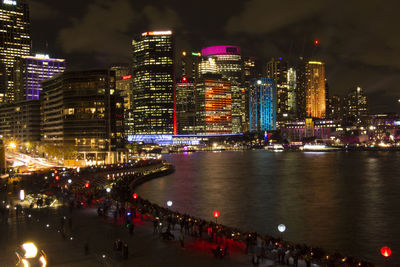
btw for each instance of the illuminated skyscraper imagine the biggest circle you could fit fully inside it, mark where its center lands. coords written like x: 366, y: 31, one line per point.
x: 213, y: 105
x: 277, y: 69
x: 185, y: 105
x: 190, y: 64
x: 355, y: 104
x: 153, y: 83
x: 334, y: 109
x: 315, y: 89
x: 15, y: 41
x: 229, y: 62
x: 123, y: 87
x: 208, y: 66
x: 291, y: 93
x: 262, y: 106
x: 29, y: 72
x: 250, y: 72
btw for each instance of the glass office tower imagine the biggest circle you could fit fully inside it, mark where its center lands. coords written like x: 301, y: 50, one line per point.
x: 15, y: 41
x: 153, y: 84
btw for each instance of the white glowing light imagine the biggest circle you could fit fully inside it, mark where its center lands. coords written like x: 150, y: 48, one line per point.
x: 30, y: 250
x: 281, y: 228
x: 169, y: 203
x: 10, y: 2
x: 22, y: 195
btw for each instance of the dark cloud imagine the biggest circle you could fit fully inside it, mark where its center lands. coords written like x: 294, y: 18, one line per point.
x: 161, y: 18
x: 358, y: 39
x: 42, y: 11
x: 102, y: 31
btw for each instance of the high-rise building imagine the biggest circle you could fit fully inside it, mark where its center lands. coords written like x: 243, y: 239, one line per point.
x: 229, y: 62
x: 315, y: 89
x: 207, y: 66
x: 123, y: 86
x: 262, y: 106
x: 213, y: 105
x: 277, y: 69
x: 355, y: 104
x: 82, y: 111
x: 21, y: 121
x: 190, y: 65
x: 301, y: 88
x: 29, y: 72
x: 153, y: 83
x: 15, y: 40
x: 185, y: 105
x: 291, y: 93
x: 250, y: 72
x: 334, y: 109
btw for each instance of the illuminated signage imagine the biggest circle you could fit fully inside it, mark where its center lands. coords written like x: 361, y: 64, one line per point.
x: 157, y: 33
x: 44, y: 56
x: 196, y: 54
x: 10, y: 2
x: 397, y: 123
x: 126, y: 77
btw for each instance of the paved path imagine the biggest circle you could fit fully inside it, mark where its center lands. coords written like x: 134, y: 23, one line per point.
x: 43, y: 227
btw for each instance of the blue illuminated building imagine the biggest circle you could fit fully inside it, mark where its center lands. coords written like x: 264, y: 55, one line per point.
x: 262, y: 105
x: 30, y: 71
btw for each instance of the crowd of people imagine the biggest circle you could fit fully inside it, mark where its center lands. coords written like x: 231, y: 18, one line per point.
x: 259, y: 246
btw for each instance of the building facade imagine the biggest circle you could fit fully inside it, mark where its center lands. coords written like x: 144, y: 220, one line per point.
x: 21, y: 121
x: 81, y: 110
x: 277, y: 69
x: 262, y: 106
x: 123, y: 85
x: 15, y: 41
x: 186, y: 105
x: 153, y: 84
x: 315, y: 89
x: 355, y: 105
x: 292, y: 88
x: 213, y: 105
x: 30, y: 71
x: 229, y: 61
x: 190, y: 65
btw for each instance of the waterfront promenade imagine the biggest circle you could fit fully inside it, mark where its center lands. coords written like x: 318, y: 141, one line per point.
x: 100, y: 233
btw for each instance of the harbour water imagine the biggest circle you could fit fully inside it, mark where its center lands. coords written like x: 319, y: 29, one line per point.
x: 342, y: 201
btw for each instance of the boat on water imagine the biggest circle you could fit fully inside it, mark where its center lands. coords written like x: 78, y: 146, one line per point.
x: 275, y: 147
x: 319, y: 148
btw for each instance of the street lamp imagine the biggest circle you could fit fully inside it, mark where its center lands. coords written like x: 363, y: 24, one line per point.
x: 108, y: 190
x: 281, y: 229
x: 216, y: 215
x: 169, y: 203
x: 386, y: 252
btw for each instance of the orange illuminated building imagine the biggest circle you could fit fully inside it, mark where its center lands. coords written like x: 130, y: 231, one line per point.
x: 315, y: 89
x: 213, y: 105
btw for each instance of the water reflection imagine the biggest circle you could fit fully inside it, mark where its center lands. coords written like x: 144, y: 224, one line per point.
x: 340, y: 201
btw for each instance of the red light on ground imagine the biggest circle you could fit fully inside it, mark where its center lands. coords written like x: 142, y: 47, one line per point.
x: 126, y: 77
x: 216, y: 213
x: 184, y: 79
x: 87, y: 185
x: 386, y: 252
x: 57, y: 178
x: 134, y: 196
x: 316, y: 42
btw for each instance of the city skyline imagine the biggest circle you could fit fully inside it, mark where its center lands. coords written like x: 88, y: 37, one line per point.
x: 361, y: 55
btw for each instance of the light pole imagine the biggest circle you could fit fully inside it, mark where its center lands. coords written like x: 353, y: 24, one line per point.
x: 216, y: 215
x: 169, y: 203
x: 386, y: 252
x: 281, y: 229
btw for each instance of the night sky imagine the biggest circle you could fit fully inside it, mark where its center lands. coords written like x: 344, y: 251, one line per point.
x: 359, y: 40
